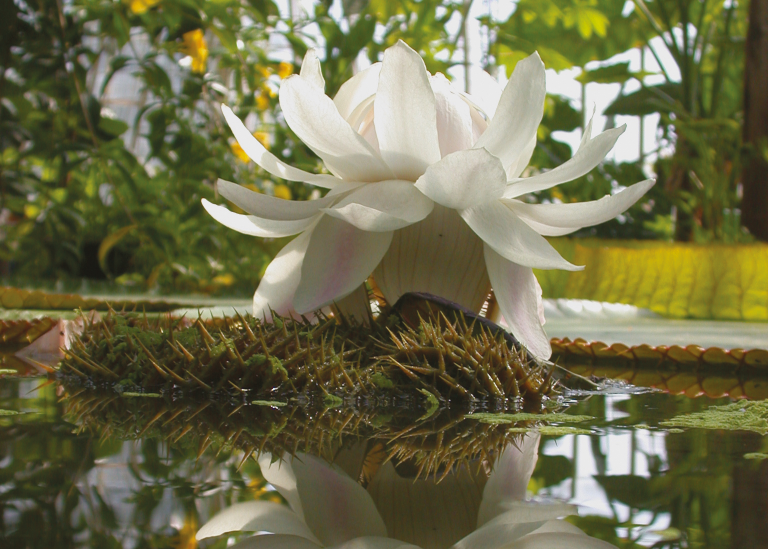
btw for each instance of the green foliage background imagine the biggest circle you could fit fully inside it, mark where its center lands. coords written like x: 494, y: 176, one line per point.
x: 77, y: 201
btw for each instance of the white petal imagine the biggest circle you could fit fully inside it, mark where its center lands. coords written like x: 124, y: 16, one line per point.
x: 269, y: 161
x: 502, y: 230
x: 509, y: 477
x: 486, y: 91
x: 496, y: 535
x: 464, y: 179
x: 339, y: 258
x: 517, y: 167
x: 311, y: 70
x: 580, y: 214
x: 441, y: 256
x: 276, y: 541
x: 257, y: 226
x: 517, y: 294
x: 280, y: 280
x: 519, y: 113
x: 559, y: 540
x: 404, y: 114
x: 313, y: 116
x: 335, y: 507
x: 270, y: 207
x: 454, y: 121
x: 371, y: 542
x: 383, y: 206
x: 256, y: 516
x: 586, y: 158
x: 557, y: 525
x: 357, y: 89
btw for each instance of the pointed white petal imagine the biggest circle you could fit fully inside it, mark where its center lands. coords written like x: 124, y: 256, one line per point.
x: 356, y: 90
x: 256, y: 226
x: 559, y: 540
x: 509, y: 477
x: 587, y: 135
x: 256, y: 516
x: 496, y: 535
x: 519, y: 113
x: 383, y: 206
x: 556, y: 525
x: 276, y: 541
x: 586, y: 158
x: 454, y: 120
x: 372, y: 542
x: 335, y: 507
x: 280, y: 280
x: 269, y: 161
x: 517, y: 294
x: 339, y: 258
x: 581, y: 214
x: 502, y: 230
x: 486, y: 92
x: 404, y: 114
x: 270, y: 207
x: 464, y: 179
x: 313, y: 116
x: 441, y: 256
x: 517, y: 167
x: 311, y: 70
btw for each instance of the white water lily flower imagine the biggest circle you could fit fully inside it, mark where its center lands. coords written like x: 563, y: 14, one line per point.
x: 425, y: 192
x: 327, y: 508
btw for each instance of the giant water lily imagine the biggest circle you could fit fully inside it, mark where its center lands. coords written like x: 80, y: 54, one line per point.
x: 327, y: 508
x: 425, y: 192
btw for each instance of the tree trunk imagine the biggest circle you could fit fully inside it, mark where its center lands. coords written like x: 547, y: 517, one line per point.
x: 754, y: 207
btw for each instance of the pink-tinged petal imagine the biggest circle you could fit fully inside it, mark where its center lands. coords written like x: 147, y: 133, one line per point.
x: 311, y: 70
x: 340, y: 257
x: 269, y: 161
x: 256, y: 516
x: 280, y: 280
x: 382, y: 206
x: 580, y: 214
x: 276, y: 541
x: 519, y: 113
x: 335, y: 507
x: 464, y: 179
x: 372, y: 542
x: 441, y: 256
x: 257, y: 226
x: 589, y: 155
x: 501, y: 229
x: 509, y: 477
x: 559, y: 540
x: 404, y: 114
x: 313, y: 116
x: 270, y: 207
x: 517, y: 294
x: 356, y: 90
x: 454, y: 120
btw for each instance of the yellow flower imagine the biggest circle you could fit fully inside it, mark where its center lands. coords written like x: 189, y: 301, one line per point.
x: 284, y: 70
x: 141, y: 6
x: 197, y: 49
x: 224, y: 279
x: 262, y: 100
x: 263, y: 138
x: 237, y: 150
x: 283, y: 191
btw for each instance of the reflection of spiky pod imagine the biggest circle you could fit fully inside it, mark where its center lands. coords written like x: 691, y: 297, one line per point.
x: 464, y: 360
x: 444, y: 442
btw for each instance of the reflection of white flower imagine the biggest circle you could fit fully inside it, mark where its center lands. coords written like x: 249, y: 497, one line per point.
x: 425, y: 192
x: 329, y: 509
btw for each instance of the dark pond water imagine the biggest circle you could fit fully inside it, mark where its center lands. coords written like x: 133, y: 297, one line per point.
x: 86, y: 469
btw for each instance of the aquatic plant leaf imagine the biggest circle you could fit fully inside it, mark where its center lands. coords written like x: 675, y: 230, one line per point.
x: 745, y: 415
x: 523, y: 416
x: 720, y: 281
